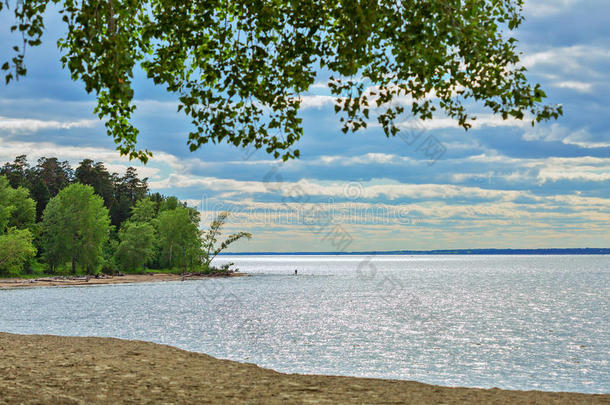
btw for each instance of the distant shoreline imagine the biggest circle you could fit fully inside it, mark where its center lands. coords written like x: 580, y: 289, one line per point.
x: 57, y: 369
x: 444, y: 252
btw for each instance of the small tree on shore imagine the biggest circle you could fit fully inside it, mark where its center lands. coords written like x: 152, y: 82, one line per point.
x: 210, y: 238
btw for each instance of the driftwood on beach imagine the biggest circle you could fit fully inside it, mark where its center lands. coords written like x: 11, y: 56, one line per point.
x: 59, y: 281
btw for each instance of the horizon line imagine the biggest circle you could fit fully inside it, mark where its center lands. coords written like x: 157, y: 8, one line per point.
x: 477, y: 251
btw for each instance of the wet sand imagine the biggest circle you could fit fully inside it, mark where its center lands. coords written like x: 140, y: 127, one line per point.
x: 126, y: 279
x: 74, y: 370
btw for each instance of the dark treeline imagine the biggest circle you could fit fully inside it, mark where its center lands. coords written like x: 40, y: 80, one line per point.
x: 58, y: 220
x: 49, y: 176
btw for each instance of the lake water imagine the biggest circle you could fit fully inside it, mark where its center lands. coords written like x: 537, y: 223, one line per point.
x: 514, y: 322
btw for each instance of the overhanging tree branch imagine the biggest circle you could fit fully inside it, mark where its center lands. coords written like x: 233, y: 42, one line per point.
x: 238, y: 68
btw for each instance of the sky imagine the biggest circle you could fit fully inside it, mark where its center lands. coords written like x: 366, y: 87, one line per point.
x: 502, y: 184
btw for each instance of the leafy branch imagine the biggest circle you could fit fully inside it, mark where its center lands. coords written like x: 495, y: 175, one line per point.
x: 238, y: 69
x: 211, y: 236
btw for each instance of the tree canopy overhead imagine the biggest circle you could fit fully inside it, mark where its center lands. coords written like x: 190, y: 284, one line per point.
x: 238, y: 68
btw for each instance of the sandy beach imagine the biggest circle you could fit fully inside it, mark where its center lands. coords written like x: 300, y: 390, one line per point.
x: 125, y: 279
x: 75, y: 370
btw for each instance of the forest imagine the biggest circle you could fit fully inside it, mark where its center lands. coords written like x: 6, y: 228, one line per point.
x: 56, y: 220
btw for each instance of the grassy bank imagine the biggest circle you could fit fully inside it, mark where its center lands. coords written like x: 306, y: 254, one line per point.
x: 72, y: 370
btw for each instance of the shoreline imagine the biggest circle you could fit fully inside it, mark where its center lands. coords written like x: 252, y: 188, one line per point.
x: 52, y: 369
x: 10, y: 283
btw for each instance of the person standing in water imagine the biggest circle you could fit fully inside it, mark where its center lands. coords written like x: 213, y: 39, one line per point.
x: 295, y: 272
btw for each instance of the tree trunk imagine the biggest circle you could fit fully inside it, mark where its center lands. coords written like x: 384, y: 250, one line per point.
x: 170, y: 256
x: 74, y: 265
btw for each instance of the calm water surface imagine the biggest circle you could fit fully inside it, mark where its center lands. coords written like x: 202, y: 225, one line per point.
x: 515, y: 322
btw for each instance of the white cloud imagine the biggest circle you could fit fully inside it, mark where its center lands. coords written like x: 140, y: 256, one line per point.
x: 576, y: 60
x: 540, y: 171
x: 297, y: 191
x: 584, y: 169
x: 35, y: 150
x: 558, y: 133
x: 28, y: 125
x: 554, y: 132
x: 483, y: 120
x: 575, y: 85
x: 585, y: 174
x: 156, y: 105
x: 317, y: 101
x: 546, y: 8
x: 368, y: 158
x: 319, y: 85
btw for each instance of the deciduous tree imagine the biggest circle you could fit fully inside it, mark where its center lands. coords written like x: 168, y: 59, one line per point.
x: 75, y: 227
x: 211, y: 238
x: 179, y: 238
x: 137, y: 245
x: 24, y: 208
x: 144, y: 211
x: 6, y: 209
x: 17, y: 209
x: 16, y: 249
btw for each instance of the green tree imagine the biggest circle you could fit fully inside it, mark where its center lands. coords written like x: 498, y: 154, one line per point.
x: 179, y: 238
x: 169, y: 203
x: 40, y: 193
x: 75, y: 227
x: 137, y: 246
x: 238, y: 68
x: 54, y: 174
x: 210, y: 238
x: 144, y: 211
x: 16, y: 250
x: 20, y: 174
x: 6, y: 209
x: 109, y: 249
x: 96, y: 175
x: 24, y: 209
x: 17, y: 209
x: 16, y: 172
x: 128, y: 189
